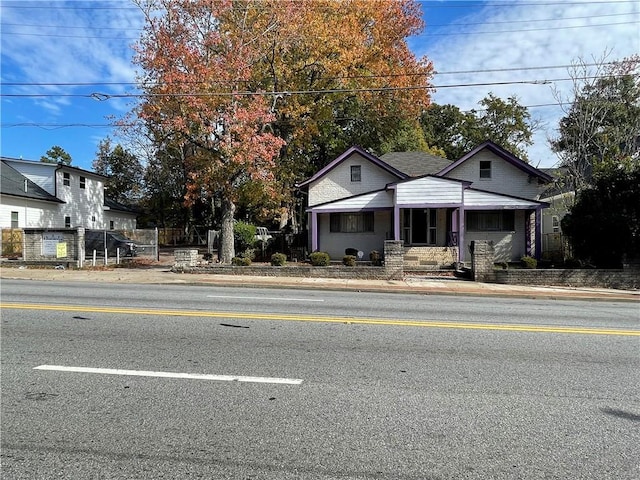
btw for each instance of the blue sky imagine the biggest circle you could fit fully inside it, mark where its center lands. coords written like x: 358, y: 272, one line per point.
x: 70, y: 50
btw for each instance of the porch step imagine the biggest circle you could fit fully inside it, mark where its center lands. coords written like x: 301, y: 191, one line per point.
x: 429, y: 267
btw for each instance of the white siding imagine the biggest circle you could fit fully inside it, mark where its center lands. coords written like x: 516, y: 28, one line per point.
x: 31, y: 213
x: 84, y: 206
x: 509, y: 246
x: 559, y: 207
x: 382, y: 199
x: 429, y: 190
x: 40, y: 173
x: 121, y: 220
x: 505, y: 178
x: 337, y: 182
x: 335, y: 243
x: 473, y: 198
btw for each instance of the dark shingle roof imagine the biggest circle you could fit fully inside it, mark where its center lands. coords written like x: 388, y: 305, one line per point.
x: 15, y: 184
x: 415, y: 164
x: 113, y: 205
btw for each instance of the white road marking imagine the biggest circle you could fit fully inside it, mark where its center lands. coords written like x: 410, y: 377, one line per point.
x: 290, y: 299
x: 189, y: 376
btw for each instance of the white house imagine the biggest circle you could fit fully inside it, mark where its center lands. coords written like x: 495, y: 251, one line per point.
x: 435, y: 206
x: 47, y: 195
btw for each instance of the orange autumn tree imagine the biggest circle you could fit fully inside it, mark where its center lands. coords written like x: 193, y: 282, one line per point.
x: 264, y: 91
x: 343, y: 74
x: 197, y: 58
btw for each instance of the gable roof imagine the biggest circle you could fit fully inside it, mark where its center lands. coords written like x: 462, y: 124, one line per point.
x: 505, y: 155
x: 15, y: 184
x: 351, y: 151
x: 52, y: 166
x: 416, y: 164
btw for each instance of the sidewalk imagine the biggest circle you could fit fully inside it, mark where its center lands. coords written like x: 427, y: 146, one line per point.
x: 419, y: 285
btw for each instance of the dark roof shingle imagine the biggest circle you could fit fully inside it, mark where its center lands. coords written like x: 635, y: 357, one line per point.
x: 415, y: 164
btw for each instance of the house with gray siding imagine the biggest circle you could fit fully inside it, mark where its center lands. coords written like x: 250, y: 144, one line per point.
x: 437, y: 207
x: 48, y: 195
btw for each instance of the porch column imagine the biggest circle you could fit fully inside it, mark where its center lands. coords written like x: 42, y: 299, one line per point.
x: 314, y: 231
x: 462, y: 251
x: 538, y: 233
x: 529, y: 245
x: 396, y: 222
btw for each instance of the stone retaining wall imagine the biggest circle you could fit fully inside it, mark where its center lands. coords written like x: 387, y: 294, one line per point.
x: 627, y: 279
x: 305, y: 271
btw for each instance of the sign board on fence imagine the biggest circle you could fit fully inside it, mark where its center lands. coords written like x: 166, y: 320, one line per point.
x: 61, y: 251
x: 50, y: 242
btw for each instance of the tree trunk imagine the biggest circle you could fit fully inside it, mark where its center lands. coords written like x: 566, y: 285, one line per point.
x: 227, y: 251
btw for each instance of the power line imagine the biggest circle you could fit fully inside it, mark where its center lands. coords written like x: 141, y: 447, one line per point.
x: 56, y: 126
x: 433, y: 4
x: 429, y: 25
x: 571, y: 27
x: 389, y: 75
x: 495, y: 32
x: 106, y: 96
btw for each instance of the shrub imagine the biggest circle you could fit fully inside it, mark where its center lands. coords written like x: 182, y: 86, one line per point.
x: 529, y: 262
x: 249, y: 253
x: 319, y: 259
x: 241, y: 261
x: 349, y: 260
x: 375, y: 257
x: 278, y: 259
x: 244, y: 235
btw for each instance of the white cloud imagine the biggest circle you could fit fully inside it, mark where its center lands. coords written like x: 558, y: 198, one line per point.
x: 68, y: 46
x: 569, y: 32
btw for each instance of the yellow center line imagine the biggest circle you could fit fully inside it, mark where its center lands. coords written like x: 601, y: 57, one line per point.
x: 324, y: 319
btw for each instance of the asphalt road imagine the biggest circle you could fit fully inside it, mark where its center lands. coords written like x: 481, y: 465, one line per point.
x: 321, y: 385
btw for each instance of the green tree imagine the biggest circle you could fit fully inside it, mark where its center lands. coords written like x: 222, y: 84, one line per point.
x: 602, y: 123
x: 604, y: 223
x: 57, y: 155
x: 123, y: 169
x: 504, y: 122
x: 447, y: 127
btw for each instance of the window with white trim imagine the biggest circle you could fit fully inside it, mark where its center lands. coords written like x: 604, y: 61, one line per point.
x: 15, y: 223
x: 67, y: 222
x: 66, y: 179
x: 485, y: 169
x: 356, y: 173
x: 83, y: 183
x: 555, y: 223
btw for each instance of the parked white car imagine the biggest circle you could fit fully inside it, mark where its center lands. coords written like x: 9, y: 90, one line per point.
x: 262, y: 235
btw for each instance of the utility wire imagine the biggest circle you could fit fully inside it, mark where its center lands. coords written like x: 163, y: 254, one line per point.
x: 458, y: 33
x: 389, y: 75
x: 429, y: 24
x: 107, y: 96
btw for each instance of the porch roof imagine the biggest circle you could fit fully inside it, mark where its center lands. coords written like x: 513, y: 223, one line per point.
x: 377, y: 200
x: 481, y: 199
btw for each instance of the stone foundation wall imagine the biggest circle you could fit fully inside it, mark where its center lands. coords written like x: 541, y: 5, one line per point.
x: 304, y: 271
x: 430, y: 257
x: 627, y: 279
